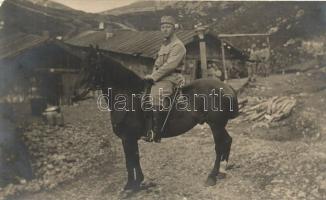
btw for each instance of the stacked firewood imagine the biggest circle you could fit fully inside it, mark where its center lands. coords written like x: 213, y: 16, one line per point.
x: 266, y: 110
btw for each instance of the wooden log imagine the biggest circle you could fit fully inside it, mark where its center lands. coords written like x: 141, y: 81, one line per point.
x: 257, y: 116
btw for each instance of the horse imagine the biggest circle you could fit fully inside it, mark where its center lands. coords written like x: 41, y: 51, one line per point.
x: 129, y: 124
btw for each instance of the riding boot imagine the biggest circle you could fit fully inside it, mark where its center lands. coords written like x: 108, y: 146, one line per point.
x: 158, y: 121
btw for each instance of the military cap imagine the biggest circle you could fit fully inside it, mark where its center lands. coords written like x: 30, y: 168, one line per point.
x: 168, y: 20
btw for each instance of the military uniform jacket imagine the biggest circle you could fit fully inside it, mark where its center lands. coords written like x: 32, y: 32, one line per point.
x: 170, y: 60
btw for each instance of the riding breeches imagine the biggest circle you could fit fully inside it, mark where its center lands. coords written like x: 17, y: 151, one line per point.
x: 164, y: 88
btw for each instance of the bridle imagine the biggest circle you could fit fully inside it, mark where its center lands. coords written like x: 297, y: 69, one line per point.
x: 95, y: 65
x: 92, y: 72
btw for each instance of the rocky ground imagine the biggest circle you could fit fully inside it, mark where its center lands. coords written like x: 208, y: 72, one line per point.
x: 287, y: 160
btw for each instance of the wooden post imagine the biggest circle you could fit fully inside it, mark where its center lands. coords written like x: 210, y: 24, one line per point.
x: 223, y: 59
x: 202, y: 48
x: 269, y: 52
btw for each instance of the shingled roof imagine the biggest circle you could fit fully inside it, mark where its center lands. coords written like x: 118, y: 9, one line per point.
x: 14, y: 43
x: 143, y: 43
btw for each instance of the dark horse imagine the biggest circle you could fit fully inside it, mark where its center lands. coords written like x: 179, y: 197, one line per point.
x: 130, y: 125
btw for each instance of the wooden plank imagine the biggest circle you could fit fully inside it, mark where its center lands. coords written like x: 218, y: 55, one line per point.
x: 203, y: 58
x: 223, y: 59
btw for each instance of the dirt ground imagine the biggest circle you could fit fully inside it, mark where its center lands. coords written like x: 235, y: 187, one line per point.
x: 285, y: 161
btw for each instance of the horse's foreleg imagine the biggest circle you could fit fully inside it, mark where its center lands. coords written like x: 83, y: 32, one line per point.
x: 222, y: 149
x: 135, y: 174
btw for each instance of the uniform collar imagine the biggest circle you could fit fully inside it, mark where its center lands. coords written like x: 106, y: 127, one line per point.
x: 172, y: 39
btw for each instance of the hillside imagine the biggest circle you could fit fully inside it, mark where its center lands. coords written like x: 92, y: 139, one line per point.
x: 139, y: 6
x: 37, y: 16
x: 292, y: 25
x: 50, y: 4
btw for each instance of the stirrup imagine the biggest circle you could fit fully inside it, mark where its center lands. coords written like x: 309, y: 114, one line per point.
x: 150, y: 135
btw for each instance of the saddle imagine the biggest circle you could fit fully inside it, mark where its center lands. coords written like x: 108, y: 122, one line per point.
x: 147, y: 90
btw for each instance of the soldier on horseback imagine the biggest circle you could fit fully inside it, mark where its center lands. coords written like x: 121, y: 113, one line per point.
x: 166, y: 75
x: 131, y: 124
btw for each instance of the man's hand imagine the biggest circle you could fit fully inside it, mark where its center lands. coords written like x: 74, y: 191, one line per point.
x: 148, y: 78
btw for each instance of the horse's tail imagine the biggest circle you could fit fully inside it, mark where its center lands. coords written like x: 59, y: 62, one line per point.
x: 234, y: 110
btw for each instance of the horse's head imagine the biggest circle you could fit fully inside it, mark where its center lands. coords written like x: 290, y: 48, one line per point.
x: 101, y: 71
x: 90, y: 77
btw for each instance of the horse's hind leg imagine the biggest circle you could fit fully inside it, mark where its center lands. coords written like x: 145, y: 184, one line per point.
x: 226, y: 146
x: 222, y: 149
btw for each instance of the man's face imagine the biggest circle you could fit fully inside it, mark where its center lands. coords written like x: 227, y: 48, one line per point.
x: 167, y: 30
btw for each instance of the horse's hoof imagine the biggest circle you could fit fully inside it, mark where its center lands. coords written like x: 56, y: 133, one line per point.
x: 211, y: 181
x: 131, y: 186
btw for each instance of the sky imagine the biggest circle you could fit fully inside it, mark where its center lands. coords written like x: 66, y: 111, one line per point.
x: 94, y: 5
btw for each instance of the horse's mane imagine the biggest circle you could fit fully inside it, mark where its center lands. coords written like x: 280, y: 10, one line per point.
x: 120, y: 76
